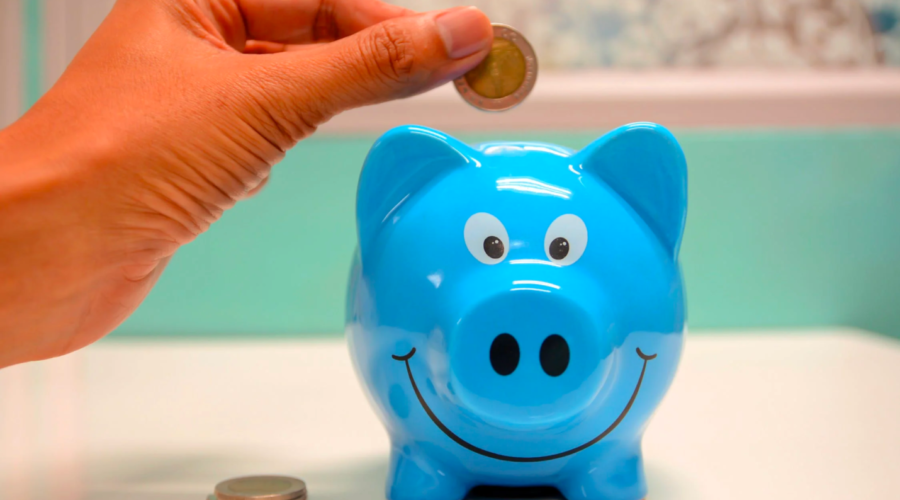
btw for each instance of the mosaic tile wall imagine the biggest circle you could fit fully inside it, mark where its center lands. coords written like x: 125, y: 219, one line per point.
x: 652, y: 33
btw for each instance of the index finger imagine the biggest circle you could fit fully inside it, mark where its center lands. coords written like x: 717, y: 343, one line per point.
x: 306, y: 21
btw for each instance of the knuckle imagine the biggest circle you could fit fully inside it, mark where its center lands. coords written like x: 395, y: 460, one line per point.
x: 284, y: 121
x: 390, y: 54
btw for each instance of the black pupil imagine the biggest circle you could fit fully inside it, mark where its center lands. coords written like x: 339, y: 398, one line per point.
x: 554, y: 355
x: 559, y: 248
x: 493, y: 247
x: 505, y: 354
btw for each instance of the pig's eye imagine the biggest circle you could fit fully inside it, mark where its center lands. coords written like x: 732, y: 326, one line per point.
x: 486, y: 238
x: 566, y: 239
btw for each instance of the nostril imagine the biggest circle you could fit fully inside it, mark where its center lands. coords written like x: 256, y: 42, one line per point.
x: 504, y: 354
x: 554, y: 355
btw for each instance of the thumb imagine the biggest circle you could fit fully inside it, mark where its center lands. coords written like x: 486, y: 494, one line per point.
x: 393, y: 59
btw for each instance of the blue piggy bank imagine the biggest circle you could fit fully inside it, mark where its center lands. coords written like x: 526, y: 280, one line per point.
x: 516, y: 310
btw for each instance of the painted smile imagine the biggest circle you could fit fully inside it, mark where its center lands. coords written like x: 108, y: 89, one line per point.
x: 465, y: 444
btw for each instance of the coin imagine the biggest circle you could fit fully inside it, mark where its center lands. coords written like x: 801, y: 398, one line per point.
x: 505, y: 77
x: 261, y: 488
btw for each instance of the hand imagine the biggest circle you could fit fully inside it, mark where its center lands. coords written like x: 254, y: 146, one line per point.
x: 172, y: 112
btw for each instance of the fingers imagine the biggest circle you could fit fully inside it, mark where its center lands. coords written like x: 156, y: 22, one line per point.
x: 295, y: 21
x: 260, y: 47
x: 259, y: 187
x: 396, y: 58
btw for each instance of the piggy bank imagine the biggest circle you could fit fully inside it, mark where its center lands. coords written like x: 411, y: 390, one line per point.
x: 516, y: 309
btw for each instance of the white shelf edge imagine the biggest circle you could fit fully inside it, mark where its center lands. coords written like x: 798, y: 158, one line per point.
x: 674, y: 98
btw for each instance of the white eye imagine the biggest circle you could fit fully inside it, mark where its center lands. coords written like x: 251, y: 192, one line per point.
x: 486, y: 238
x: 566, y: 239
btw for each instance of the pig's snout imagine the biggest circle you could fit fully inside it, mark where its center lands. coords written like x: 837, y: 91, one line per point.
x: 527, y: 355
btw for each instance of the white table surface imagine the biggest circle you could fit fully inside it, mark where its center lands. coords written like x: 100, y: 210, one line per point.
x: 754, y: 415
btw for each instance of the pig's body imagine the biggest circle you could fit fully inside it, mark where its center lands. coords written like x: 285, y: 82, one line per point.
x: 516, y: 310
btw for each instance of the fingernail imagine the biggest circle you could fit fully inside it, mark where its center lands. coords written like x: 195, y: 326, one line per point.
x: 464, y: 31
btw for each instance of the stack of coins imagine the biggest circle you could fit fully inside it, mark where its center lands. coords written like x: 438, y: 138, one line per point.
x: 260, y: 488
x: 505, y: 77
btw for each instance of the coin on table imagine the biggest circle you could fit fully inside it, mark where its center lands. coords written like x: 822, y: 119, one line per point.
x: 261, y: 488
x: 505, y: 77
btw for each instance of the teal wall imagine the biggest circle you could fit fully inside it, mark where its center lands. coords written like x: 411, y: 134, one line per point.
x: 785, y: 229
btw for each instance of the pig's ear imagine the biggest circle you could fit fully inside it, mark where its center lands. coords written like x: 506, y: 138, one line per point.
x: 401, y: 162
x: 644, y: 164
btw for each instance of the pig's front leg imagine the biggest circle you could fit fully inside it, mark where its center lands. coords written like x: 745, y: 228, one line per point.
x: 613, y: 476
x: 413, y: 476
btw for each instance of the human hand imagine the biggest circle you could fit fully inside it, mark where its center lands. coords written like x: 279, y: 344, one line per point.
x: 172, y: 112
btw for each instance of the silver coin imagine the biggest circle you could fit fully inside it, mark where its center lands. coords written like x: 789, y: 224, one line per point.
x: 505, y: 77
x: 261, y: 488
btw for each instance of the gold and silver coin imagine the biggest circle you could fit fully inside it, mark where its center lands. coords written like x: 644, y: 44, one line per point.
x: 505, y: 77
x: 261, y: 488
